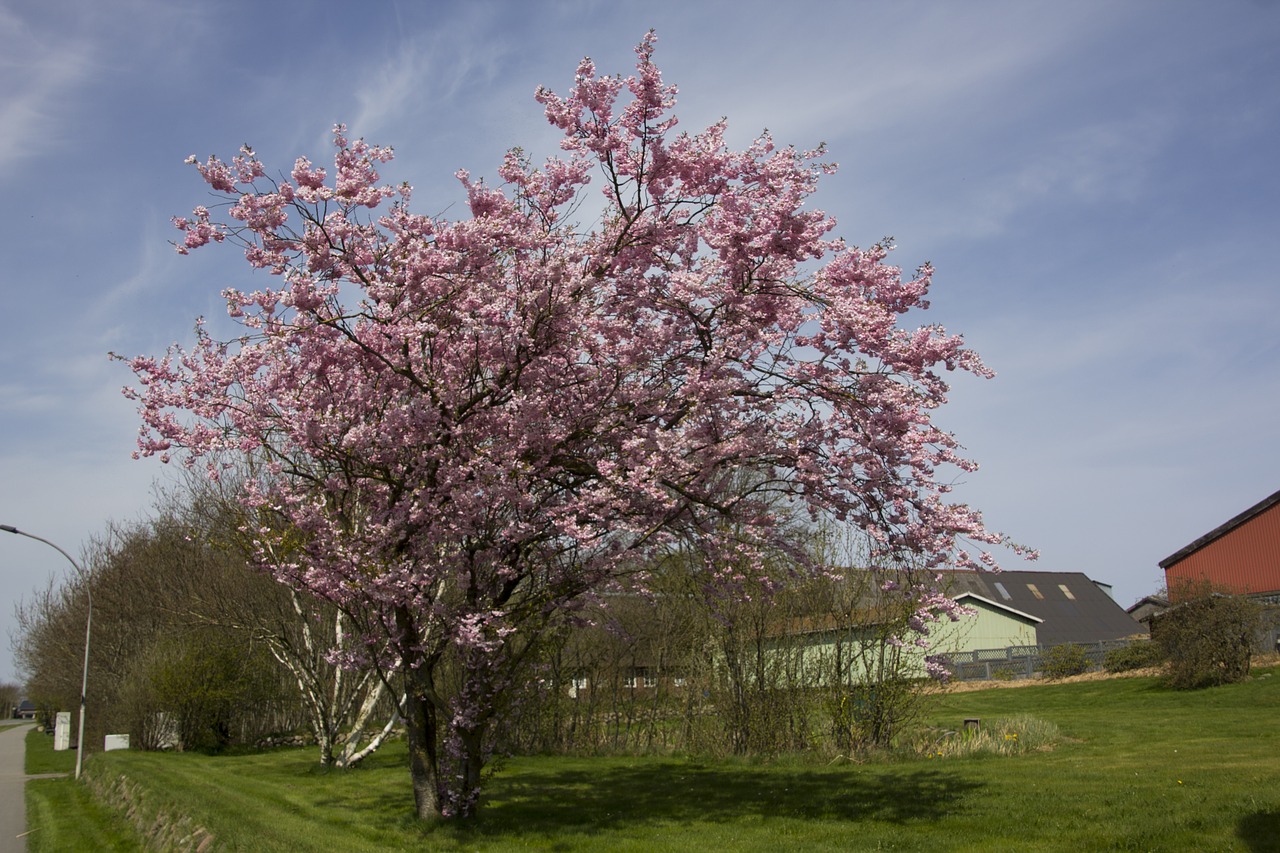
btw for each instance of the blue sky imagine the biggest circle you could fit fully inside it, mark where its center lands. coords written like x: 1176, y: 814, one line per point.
x: 1096, y: 184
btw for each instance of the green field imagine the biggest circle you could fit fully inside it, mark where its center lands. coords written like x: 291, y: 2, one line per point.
x: 1137, y: 767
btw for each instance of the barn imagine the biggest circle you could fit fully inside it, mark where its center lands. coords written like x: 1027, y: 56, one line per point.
x: 1240, y: 556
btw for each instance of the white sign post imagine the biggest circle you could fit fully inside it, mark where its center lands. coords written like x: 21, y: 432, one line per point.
x: 62, y: 731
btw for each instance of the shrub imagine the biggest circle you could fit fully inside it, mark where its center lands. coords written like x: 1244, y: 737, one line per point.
x: 1066, y: 659
x: 1137, y: 655
x: 868, y: 717
x: 207, y: 690
x: 1207, y: 639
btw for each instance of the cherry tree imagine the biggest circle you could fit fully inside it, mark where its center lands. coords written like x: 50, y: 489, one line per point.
x: 474, y: 425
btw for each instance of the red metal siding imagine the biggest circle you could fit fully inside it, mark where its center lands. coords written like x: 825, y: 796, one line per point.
x: 1243, y: 560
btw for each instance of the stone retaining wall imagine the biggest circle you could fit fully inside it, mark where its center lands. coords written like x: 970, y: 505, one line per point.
x: 160, y: 829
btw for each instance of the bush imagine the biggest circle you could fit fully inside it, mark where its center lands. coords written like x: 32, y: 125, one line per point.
x: 1207, y: 639
x: 1064, y: 660
x: 869, y: 717
x: 1137, y: 655
x: 206, y: 690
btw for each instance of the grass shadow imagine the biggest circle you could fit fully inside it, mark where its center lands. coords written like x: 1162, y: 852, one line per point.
x: 605, y: 797
x: 1260, y: 831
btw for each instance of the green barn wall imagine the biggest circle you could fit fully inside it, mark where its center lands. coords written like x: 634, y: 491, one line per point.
x: 810, y: 658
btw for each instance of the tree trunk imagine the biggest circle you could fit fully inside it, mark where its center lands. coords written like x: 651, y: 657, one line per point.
x: 472, y: 759
x: 353, y: 755
x: 420, y: 719
x: 424, y: 767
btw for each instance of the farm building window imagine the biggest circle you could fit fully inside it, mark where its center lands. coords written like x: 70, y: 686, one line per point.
x: 1066, y: 592
x: 1035, y: 591
x: 1004, y: 593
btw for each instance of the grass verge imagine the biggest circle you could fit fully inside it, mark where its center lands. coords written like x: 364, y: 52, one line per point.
x: 40, y: 756
x: 62, y: 815
x: 1135, y: 766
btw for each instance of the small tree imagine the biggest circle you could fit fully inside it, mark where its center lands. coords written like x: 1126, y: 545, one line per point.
x: 49, y: 649
x: 1207, y: 639
x: 756, y: 678
x: 472, y: 425
x: 210, y: 684
x: 151, y: 583
x: 10, y: 696
x: 876, y: 676
x: 301, y: 632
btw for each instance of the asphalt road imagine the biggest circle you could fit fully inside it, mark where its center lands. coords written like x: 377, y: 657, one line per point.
x: 13, y: 811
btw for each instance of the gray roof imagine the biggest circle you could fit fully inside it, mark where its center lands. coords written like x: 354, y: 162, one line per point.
x: 1074, y: 608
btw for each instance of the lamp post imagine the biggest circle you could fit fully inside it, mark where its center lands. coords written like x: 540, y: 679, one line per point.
x: 88, y: 624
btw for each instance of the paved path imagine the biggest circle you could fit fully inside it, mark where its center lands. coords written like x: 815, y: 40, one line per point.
x: 13, y: 809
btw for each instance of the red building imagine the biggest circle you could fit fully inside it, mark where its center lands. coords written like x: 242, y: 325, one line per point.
x: 1241, y: 556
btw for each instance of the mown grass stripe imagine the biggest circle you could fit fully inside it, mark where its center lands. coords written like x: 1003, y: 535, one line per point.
x: 1139, y: 767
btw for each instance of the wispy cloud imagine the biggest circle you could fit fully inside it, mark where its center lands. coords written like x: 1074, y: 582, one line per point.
x: 153, y: 258
x: 21, y: 399
x: 902, y: 68
x: 39, y: 75
x: 425, y: 70
x: 1093, y: 164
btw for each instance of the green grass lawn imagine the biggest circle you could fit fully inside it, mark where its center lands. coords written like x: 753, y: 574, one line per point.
x: 62, y: 815
x: 40, y: 756
x: 1139, y: 767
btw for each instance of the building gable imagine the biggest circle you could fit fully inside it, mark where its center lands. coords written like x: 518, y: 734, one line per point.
x: 971, y: 599
x: 1240, y: 556
x: 991, y: 626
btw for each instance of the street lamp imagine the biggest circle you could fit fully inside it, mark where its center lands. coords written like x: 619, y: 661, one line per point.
x: 88, y: 624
